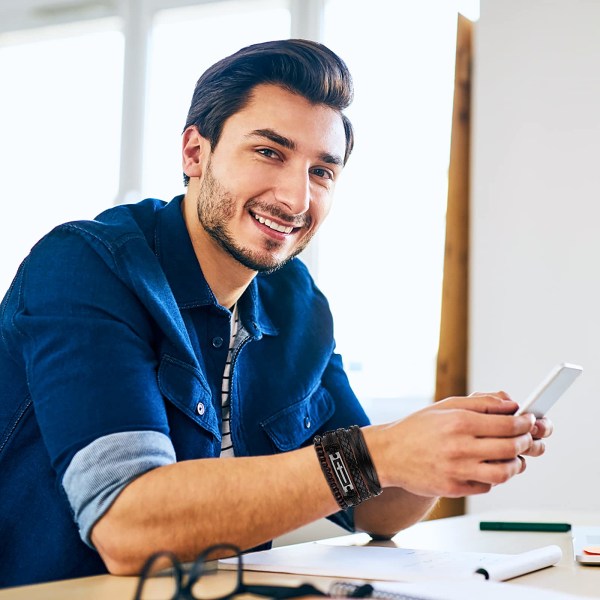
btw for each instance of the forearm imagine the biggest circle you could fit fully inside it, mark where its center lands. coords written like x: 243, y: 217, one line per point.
x: 390, y: 512
x: 190, y: 505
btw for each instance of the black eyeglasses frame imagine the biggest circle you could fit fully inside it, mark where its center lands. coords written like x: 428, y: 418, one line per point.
x: 185, y: 581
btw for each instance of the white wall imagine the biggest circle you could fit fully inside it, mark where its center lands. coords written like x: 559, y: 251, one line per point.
x: 535, y: 261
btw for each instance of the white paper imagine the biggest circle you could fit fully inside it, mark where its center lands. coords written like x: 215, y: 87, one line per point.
x: 395, y: 564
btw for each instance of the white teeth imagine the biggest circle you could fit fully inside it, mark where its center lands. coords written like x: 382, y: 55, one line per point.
x: 274, y: 226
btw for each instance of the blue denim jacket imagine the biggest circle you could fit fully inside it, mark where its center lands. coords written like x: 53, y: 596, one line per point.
x: 110, y: 326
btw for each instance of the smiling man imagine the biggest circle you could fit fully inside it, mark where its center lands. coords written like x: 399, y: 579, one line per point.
x: 168, y: 371
x: 262, y: 192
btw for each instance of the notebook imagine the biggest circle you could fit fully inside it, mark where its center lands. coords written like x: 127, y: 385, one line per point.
x: 395, y: 564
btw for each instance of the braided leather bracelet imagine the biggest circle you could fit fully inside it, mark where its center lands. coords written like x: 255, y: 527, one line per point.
x: 364, y: 459
x: 339, y: 465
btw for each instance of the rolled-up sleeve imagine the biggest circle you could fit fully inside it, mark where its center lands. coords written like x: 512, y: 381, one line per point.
x: 100, y: 471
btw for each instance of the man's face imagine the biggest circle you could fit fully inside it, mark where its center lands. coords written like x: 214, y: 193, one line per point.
x: 268, y: 184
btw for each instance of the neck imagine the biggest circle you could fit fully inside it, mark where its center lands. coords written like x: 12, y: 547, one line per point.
x: 226, y: 277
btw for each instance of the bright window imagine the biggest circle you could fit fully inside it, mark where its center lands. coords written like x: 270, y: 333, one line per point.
x: 388, y: 219
x: 60, y: 118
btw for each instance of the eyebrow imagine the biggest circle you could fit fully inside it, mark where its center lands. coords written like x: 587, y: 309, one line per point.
x: 277, y: 138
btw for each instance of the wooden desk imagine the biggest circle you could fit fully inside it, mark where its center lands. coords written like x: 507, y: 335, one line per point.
x: 456, y: 533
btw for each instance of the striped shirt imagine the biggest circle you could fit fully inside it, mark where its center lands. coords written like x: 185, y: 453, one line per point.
x: 226, y: 442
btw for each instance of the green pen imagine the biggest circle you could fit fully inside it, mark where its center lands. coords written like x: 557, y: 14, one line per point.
x: 520, y: 526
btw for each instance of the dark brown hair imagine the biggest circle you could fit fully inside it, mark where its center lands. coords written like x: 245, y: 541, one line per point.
x: 303, y: 67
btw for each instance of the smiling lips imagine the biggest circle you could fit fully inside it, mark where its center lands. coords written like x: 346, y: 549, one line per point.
x: 274, y: 226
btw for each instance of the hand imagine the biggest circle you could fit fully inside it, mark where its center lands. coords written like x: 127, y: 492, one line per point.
x: 456, y: 447
x: 542, y: 428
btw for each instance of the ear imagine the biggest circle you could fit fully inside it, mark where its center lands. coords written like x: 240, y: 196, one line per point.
x: 195, y: 152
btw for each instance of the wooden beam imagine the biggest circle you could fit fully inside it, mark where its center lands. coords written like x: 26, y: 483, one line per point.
x: 451, y: 376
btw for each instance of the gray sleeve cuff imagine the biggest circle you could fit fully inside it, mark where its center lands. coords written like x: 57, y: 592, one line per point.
x: 99, y: 472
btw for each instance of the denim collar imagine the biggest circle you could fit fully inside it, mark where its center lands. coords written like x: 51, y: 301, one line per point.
x: 176, y: 254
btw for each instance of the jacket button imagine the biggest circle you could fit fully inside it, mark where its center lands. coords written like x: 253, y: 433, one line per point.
x: 200, y: 408
x: 217, y: 342
x: 307, y: 422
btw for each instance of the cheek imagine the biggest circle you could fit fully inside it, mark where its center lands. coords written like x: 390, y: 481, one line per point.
x: 241, y: 177
x: 321, y: 207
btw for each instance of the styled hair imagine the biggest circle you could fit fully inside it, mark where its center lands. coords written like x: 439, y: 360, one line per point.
x: 303, y: 67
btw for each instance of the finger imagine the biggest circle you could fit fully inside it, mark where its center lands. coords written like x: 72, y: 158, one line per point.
x: 542, y: 428
x: 498, y: 472
x: 501, y: 449
x: 469, y: 488
x: 537, y: 448
x: 495, y: 425
x: 501, y: 395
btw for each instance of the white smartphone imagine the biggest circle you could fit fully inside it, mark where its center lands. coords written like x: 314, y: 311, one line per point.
x: 550, y: 390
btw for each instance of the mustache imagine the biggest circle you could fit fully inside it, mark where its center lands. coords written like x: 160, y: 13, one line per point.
x: 278, y: 213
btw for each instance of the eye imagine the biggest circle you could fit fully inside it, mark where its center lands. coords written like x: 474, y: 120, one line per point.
x: 323, y: 173
x: 268, y: 153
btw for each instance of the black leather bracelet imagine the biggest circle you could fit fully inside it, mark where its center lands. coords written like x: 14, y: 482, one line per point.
x: 337, y: 494
x: 364, y: 460
x: 346, y: 443
x: 338, y: 464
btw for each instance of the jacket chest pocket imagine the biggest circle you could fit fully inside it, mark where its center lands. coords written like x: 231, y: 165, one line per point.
x: 291, y: 427
x: 185, y: 387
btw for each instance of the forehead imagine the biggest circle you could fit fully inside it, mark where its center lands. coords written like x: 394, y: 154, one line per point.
x: 314, y: 128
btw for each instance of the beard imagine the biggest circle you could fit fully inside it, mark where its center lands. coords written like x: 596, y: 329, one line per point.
x: 216, y: 207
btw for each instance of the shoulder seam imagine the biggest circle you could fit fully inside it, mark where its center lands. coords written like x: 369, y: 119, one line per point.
x: 118, y: 241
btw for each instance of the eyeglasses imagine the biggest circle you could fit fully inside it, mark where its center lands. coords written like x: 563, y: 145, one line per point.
x: 165, y: 578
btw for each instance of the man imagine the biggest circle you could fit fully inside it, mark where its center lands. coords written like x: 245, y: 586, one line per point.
x: 166, y: 367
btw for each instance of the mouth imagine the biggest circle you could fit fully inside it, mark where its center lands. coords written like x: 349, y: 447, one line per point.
x: 273, y: 225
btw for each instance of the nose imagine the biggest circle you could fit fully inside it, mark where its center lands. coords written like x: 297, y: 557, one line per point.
x: 293, y: 191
